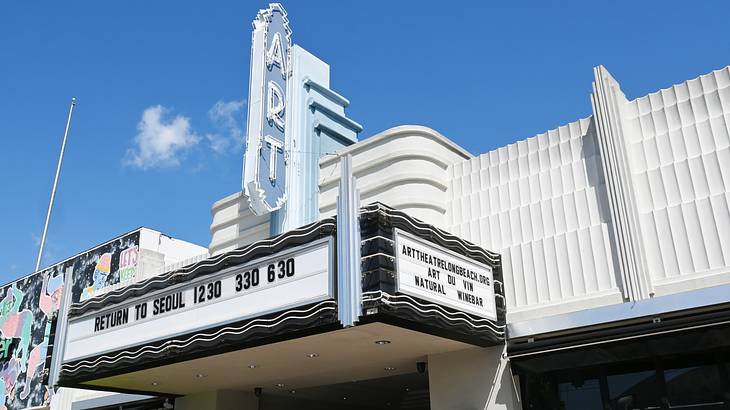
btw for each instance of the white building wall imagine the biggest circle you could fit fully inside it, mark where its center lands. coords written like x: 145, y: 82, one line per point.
x: 478, y: 378
x: 541, y: 203
x: 678, y: 143
x: 174, y: 250
x: 234, y: 225
x: 159, y: 253
x: 572, y: 239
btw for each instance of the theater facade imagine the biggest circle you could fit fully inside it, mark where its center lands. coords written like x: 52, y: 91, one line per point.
x: 587, y: 267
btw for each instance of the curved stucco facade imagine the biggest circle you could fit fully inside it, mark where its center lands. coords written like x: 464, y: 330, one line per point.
x: 234, y: 225
x: 404, y: 167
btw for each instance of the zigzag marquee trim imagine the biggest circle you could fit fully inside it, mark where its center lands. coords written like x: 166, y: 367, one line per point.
x: 203, y: 337
x: 428, y: 230
x: 432, y: 308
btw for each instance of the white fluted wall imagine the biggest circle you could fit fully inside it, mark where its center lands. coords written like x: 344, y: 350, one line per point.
x: 541, y: 203
x: 678, y: 143
x: 234, y: 225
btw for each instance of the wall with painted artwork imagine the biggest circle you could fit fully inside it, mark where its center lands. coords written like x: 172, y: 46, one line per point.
x: 99, y: 269
x: 28, y: 308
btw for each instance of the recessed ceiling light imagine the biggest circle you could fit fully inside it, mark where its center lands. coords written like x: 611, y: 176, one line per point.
x: 382, y: 342
x: 253, y: 366
x: 312, y: 355
x: 155, y: 384
x: 200, y: 375
x: 292, y: 391
x: 344, y: 398
x: 389, y: 368
x: 279, y: 384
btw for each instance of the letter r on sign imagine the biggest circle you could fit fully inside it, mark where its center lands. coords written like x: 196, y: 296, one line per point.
x: 275, y: 104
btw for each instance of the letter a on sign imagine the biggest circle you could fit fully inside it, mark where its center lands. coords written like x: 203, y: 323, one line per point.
x: 265, y: 162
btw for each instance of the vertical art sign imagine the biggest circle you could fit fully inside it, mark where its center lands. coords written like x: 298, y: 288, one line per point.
x: 264, y: 178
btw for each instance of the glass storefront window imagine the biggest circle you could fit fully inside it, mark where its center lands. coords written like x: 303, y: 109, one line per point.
x: 637, y: 390
x: 693, y: 385
x: 681, y: 382
x: 584, y: 395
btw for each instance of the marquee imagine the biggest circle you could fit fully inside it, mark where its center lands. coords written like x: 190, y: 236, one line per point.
x: 270, y: 288
x: 287, y: 279
x: 413, y: 275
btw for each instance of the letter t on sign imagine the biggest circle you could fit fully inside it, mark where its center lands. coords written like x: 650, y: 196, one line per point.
x: 276, y: 147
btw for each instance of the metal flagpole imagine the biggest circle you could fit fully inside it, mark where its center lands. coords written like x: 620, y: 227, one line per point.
x: 55, y: 184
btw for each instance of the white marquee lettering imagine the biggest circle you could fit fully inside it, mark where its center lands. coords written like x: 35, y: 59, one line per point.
x: 275, y: 104
x: 275, y: 55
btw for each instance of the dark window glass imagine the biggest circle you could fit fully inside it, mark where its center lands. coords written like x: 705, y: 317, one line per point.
x: 583, y: 395
x: 541, y: 392
x: 638, y: 390
x: 693, y: 385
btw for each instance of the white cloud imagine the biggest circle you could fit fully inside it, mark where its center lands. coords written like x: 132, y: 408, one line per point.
x: 160, y: 142
x: 226, y: 118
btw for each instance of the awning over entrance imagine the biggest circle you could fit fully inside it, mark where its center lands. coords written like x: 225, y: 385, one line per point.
x: 704, y: 330
x: 267, y: 314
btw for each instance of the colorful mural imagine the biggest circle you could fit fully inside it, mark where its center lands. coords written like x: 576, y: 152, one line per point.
x: 29, y: 306
x: 27, y: 310
x: 105, y: 267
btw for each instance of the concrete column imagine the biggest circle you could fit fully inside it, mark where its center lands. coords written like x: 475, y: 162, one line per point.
x: 218, y: 400
x: 471, y: 379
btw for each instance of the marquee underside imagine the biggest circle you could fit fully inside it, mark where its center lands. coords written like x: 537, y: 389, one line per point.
x: 342, y: 356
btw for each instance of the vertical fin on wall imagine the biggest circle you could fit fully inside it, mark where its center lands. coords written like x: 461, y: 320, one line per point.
x: 607, y: 100
x: 349, y: 281
x: 318, y: 126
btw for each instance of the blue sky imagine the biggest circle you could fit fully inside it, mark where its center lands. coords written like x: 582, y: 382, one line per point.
x: 157, y: 134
